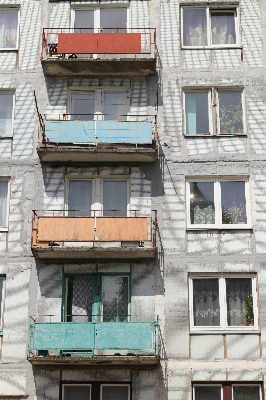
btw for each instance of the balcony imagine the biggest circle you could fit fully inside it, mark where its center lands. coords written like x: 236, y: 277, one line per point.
x: 75, y: 139
x: 66, y: 52
x: 56, y: 236
x: 93, y: 343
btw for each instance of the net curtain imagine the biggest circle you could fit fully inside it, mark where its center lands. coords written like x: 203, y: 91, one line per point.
x: 8, y: 29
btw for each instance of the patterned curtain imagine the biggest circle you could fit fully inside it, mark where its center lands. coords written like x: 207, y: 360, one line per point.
x: 206, y: 305
x: 239, y: 302
x: 223, y: 28
x: 195, y: 27
x: 82, y: 299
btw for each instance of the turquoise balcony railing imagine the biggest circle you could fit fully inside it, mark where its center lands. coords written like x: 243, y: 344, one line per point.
x: 85, y: 338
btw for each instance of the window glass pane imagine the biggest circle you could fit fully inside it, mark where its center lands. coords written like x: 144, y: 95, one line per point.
x: 3, y: 203
x: 207, y: 393
x: 1, y: 300
x: 8, y: 29
x: 206, y: 307
x: 233, y: 202
x: 79, y: 299
x: 230, y: 112
x: 194, y: 27
x: 197, y: 114
x: 113, y: 19
x: 83, y: 106
x: 246, y: 392
x: 114, y: 198
x: 77, y: 392
x: 80, y: 198
x: 115, y: 298
x: 239, y: 302
x: 84, y: 21
x: 115, y: 392
x: 115, y: 106
x: 223, y: 27
x: 6, y: 107
x: 202, y: 203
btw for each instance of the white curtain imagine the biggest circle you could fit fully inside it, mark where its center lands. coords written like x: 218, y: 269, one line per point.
x: 195, y: 27
x: 3, y: 203
x: 223, y: 28
x: 82, y: 299
x: 206, y: 305
x: 80, y: 198
x: 8, y: 29
x: 237, y: 292
x: 115, y: 198
x: 6, y: 108
x: 116, y: 106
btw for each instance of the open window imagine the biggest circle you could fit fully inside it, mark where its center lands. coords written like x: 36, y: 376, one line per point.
x: 107, y: 197
x: 98, y: 297
x: 214, y: 111
x: 210, y: 26
x: 9, y: 19
x: 225, y: 302
x: 110, y: 104
x: 218, y: 203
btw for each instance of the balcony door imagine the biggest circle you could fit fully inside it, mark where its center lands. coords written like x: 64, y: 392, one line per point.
x: 110, y: 105
x: 106, y: 197
x: 91, y: 298
x: 100, y: 19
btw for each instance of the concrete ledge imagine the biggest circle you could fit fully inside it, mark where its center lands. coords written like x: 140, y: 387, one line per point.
x: 93, y: 253
x: 96, y: 361
x: 68, y: 154
x: 133, y: 67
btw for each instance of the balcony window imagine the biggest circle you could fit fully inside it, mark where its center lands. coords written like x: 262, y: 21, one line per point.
x: 4, y: 194
x: 220, y: 203
x: 6, y: 112
x: 96, y: 391
x: 223, y: 303
x: 209, y: 27
x: 213, y: 112
x: 2, y: 282
x: 84, y: 302
x: 227, y: 391
x: 8, y: 29
x: 105, y: 19
x: 100, y: 104
x: 108, y: 196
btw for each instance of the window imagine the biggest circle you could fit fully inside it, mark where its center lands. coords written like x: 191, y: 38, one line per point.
x: 218, y: 203
x: 2, y: 287
x: 4, y: 195
x: 213, y: 112
x: 8, y: 29
x: 6, y: 112
x: 227, y: 391
x: 108, y: 104
x: 108, y: 196
x: 226, y: 302
x: 210, y: 27
x: 90, y: 298
x: 96, y: 391
x: 100, y: 19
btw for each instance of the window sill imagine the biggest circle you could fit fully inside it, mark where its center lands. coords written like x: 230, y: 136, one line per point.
x: 224, y: 228
x: 209, y: 135
x: 227, y: 47
x: 3, y: 229
x: 226, y: 332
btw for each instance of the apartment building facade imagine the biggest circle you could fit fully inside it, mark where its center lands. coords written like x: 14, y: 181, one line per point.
x: 132, y: 191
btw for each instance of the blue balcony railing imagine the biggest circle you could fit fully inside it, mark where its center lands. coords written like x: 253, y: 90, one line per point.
x: 139, y: 338
x: 99, y: 131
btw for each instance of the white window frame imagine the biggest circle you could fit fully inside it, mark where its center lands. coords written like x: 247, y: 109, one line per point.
x: 98, y: 97
x: 75, y: 384
x: 97, y: 190
x: 217, y: 203
x: 17, y: 42
x: 97, y: 10
x: 4, y: 92
x: 209, y: 10
x: 3, y: 278
x: 212, y: 385
x: 213, y: 110
x: 245, y: 384
x: 5, y: 227
x: 106, y: 384
x: 223, y: 328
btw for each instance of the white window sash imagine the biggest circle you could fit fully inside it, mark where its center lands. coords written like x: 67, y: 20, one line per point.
x: 223, y: 306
